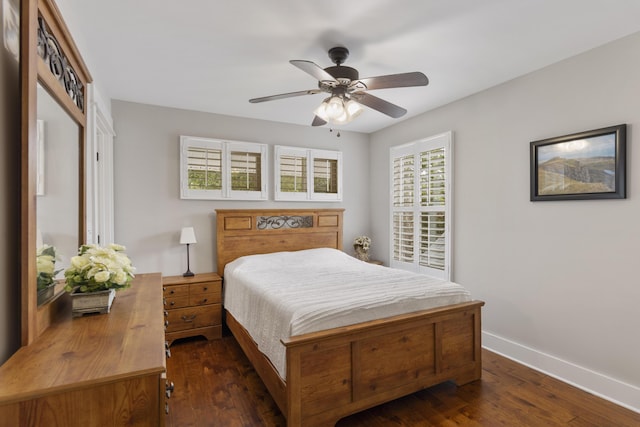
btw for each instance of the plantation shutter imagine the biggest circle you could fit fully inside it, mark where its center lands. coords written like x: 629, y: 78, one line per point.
x: 325, y: 175
x: 420, y: 224
x: 403, y: 189
x: 403, y: 181
x: 245, y: 171
x: 432, y: 208
x: 204, y: 167
x: 403, y: 236
x: 293, y: 174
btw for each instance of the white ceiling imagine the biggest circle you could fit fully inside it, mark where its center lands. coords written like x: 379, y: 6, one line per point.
x: 214, y: 56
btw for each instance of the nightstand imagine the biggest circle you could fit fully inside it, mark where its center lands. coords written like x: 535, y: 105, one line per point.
x: 193, y: 306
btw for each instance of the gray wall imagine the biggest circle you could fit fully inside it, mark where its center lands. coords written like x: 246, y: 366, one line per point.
x: 148, y: 210
x: 9, y: 195
x: 560, y: 279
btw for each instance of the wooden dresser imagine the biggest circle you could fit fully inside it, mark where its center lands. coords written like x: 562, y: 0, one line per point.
x: 193, y: 306
x: 96, y: 370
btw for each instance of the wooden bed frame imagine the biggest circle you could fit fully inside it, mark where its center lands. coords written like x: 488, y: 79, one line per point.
x: 341, y: 371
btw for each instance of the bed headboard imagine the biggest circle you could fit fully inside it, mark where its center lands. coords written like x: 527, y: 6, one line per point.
x: 257, y: 231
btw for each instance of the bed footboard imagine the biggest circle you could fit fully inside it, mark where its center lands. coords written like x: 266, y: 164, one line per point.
x: 335, y: 373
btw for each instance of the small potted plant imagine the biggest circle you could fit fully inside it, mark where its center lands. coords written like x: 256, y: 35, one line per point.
x: 361, y: 245
x: 46, y: 258
x: 94, y: 276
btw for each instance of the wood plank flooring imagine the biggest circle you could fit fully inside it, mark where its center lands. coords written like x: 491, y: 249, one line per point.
x: 215, y: 385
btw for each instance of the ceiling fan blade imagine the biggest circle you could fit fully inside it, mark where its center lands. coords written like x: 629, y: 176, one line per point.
x: 378, y: 104
x: 313, y: 69
x: 395, y: 80
x: 317, y: 121
x: 284, y: 95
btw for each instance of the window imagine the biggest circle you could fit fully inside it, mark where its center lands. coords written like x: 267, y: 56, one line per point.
x: 215, y: 169
x: 420, y: 208
x: 308, y: 174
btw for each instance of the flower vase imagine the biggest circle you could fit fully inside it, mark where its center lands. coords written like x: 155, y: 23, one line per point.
x: 91, y: 302
x: 361, y: 253
x: 45, y: 294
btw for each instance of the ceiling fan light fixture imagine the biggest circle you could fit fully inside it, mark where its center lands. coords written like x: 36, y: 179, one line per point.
x: 354, y: 109
x: 335, y: 108
x: 321, y: 111
x: 338, y: 110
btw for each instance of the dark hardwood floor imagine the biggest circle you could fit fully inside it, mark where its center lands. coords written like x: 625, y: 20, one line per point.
x: 215, y: 385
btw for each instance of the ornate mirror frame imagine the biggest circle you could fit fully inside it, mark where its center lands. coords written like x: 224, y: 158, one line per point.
x: 49, y: 56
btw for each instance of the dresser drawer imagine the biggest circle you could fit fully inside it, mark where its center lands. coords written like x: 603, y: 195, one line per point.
x: 193, y: 317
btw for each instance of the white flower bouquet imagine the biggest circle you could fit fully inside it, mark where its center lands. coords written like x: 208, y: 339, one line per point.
x: 363, y: 241
x: 361, y: 245
x: 97, y: 268
x: 46, y: 258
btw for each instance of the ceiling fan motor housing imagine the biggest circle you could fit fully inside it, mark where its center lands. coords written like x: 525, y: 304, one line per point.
x: 342, y: 72
x: 338, y: 55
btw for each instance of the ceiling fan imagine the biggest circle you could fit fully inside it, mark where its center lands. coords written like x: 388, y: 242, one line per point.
x: 347, y: 90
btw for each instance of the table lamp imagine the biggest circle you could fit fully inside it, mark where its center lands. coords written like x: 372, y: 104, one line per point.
x: 187, y: 237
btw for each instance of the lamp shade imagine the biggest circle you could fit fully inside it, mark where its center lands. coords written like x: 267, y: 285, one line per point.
x: 187, y: 236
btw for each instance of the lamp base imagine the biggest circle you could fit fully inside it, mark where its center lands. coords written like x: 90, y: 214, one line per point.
x: 188, y: 273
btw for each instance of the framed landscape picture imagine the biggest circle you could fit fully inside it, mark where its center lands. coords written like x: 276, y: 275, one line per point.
x: 580, y: 166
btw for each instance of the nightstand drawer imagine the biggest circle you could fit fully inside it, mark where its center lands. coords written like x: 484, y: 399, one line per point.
x: 176, y: 291
x: 203, y: 288
x: 176, y: 302
x: 193, y: 317
x: 202, y: 299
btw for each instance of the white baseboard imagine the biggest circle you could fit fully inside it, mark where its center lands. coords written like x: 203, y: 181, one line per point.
x: 608, y: 388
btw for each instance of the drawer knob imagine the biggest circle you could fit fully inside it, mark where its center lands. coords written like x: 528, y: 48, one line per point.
x: 189, y: 319
x: 166, y: 323
x: 172, y: 303
x: 204, y: 301
x: 172, y: 291
x: 206, y: 289
x: 169, y: 386
x: 166, y: 313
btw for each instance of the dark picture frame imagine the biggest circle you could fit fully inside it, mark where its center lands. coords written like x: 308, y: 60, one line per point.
x: 581, y: 166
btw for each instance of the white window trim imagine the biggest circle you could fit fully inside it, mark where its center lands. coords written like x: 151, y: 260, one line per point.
x: 227, y: 147
x: 310, y: 154
x: 443, y: 140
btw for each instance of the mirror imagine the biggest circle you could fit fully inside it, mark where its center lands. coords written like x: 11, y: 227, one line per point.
x: 53, y: 84
x: 57, y: 187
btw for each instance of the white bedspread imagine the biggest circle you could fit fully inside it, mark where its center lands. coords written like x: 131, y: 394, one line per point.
x: 275, y: 296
